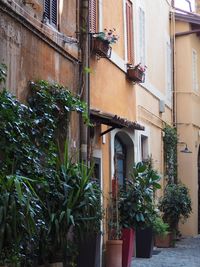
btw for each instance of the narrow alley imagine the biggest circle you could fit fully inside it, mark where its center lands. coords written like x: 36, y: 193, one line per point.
x: 185, y: 254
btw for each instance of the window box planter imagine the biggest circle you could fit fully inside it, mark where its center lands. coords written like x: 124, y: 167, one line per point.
x: 101, y: 47
x: 136, y: 75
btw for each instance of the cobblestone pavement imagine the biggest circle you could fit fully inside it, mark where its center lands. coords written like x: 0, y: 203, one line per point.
x: 185, y: 254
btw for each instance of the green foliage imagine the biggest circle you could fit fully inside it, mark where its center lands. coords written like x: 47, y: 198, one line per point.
x: 20, y: 218
x: 30, y: 134
x: 160, y: 227
x: 136, y: 203
x: 175, y: 204
x: 170, y: 140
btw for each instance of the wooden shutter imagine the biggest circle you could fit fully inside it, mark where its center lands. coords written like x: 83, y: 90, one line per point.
x: 194, y: 70
x: 129, y: 28
x: 47, y: 9
x: 142, y: 36
x: 93, y: 16
x: 54, y: 12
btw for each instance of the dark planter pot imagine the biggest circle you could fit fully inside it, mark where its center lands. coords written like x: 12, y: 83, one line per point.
x: 136, y: 75
x: 166, y: 241
x: 89, y: 251
x: 101, y: 48
x: 127, y: 247
x: 144, y: 242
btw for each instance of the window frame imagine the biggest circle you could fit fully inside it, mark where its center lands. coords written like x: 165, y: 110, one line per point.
x: 49, y: 14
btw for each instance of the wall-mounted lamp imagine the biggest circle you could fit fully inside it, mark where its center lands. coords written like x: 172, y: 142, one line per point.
x: 185, y: 150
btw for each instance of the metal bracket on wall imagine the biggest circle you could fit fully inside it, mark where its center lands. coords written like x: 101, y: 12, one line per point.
x: 107, y: 131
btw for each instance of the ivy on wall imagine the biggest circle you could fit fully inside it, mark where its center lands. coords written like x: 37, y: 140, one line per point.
x: 30, y: 133
x: 170, y: 140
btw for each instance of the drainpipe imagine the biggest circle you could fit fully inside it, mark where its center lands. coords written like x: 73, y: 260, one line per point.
x: 173, y: 39
x: 84, y: 77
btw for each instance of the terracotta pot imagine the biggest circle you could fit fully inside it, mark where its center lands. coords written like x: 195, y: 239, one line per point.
x: 166, y: 241
x: 114, y: 253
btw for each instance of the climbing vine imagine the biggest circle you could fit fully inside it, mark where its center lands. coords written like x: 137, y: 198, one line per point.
x: 170, y: 140
x: 30, y: 133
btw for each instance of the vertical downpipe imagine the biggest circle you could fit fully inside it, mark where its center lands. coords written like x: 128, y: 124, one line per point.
x: 84, y: 88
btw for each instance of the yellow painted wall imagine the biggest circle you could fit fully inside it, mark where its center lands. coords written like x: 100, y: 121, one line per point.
x: 188, y: 119
x: 110, y: 91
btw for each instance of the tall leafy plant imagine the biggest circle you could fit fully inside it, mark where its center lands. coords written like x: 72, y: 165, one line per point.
x: 136, y: 203
x: 175, y: 204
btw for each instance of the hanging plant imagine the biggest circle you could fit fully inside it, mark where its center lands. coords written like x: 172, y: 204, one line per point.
x: 170, y: 140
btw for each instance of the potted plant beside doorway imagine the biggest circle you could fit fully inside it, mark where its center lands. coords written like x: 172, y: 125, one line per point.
x: 114, y: 242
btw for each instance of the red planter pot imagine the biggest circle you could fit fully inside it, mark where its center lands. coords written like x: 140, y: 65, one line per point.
x: 127, y: 247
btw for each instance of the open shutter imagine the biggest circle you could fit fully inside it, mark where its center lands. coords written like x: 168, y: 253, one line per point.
x: 54, y: 12
x: 47, y: 9
x: 93, y: 16
x: 129, y: 29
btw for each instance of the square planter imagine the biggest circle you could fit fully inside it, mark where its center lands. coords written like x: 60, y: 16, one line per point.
x: 127, y: 247
x: 144, y: 242
x: 136, y: 75
x: 166, y: 241
x: 101, y: 48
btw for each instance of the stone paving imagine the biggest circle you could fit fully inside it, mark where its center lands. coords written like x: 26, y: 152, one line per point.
x: 185, y: 254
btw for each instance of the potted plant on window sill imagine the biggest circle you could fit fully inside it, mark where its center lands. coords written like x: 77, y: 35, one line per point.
x: 136, y: 73
x: 102, y: 41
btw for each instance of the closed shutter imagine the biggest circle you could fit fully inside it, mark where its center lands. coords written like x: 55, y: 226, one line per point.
x: 194, y: 71
x: 142, y: 36
x: 93, y: 16
x: 129, y: 30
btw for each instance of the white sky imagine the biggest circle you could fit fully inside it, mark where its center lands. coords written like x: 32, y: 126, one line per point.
x: 183, y: 4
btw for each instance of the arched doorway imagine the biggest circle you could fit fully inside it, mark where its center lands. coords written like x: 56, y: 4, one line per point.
x: 124, y: 156
x: 199, y: 190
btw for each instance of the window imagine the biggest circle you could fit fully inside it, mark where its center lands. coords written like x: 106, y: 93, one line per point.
x: 169, y: 72
x: 129, y: 30
x: 120, y: 164
x: 50, y: 11
x: 93, y: 10
x: 194, y: 71
x: 144, y: 148
x: 142, y: 37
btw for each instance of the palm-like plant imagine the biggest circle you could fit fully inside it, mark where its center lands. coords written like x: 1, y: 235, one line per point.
x: 20, y: 219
